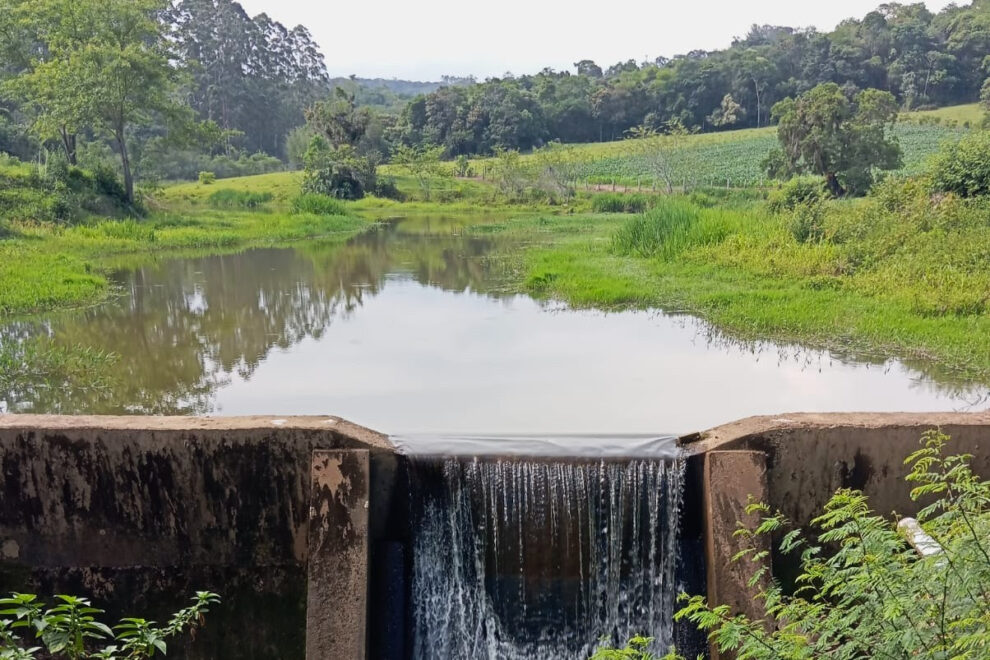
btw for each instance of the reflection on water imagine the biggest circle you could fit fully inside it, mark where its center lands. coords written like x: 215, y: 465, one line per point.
x: 406, y: 329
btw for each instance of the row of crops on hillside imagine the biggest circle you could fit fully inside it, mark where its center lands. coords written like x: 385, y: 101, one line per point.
x: 727, y: 159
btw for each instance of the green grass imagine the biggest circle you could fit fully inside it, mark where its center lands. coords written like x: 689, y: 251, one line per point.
x: 227, y: 198
x: 960, y: 114
x: 45, y: 266
x: 913, y: 282
x: 283, y: 186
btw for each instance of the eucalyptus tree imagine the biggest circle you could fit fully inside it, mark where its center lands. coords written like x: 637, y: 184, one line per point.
x: 254, y: 75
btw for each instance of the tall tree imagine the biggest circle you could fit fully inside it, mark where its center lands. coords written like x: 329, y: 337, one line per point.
x: 843, y: 139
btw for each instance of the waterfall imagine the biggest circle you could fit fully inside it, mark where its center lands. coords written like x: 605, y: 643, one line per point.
x: 522, y: 557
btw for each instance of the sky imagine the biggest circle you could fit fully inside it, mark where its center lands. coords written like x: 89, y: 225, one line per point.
x: 425, y: 39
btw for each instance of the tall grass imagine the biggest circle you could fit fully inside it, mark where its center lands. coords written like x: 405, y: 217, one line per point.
x: 318, y: 205
x: 228, y: 198
x: 671, y: 227
x: 619, y: 203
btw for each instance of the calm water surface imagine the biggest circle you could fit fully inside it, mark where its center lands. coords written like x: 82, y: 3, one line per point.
x: 407, y: 329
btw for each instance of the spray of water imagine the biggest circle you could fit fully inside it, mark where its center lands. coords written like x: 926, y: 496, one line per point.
x: 539, y: 558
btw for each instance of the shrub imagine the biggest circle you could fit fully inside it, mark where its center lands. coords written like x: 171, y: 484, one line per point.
x: 318, y: 205
x: 207, y: 178
x: 799, y: 191
x: 963, y: 167
x: 105, y: 182
x: 227, y: 198
x: 462, y: 167
x: 619, y: 203
x: 385, y: 188
x: 337, y: 171
x: 638, y: 648
x: 69, y: 629
x: 808, y: 222
x: 863, y: 591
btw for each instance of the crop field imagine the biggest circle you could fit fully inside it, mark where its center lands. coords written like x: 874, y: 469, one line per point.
x: 733, y: 158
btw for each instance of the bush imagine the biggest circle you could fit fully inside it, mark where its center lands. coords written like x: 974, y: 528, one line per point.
x: 105, y: 182
x: 808, y: 222
x: 462, y: 167
x: 227, y: 198
x: 963, y: 167
x: 385, y: 188
x: 318, y: 205
x: 337, y: 171
x: 863, y: 591
x: 799, y: 191
x: 207, y: 178
x: 619, y: 203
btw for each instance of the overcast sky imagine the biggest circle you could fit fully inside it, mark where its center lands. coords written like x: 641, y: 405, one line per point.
x: 424, y: 39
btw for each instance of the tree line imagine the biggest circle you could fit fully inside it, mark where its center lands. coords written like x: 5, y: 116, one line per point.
x: 164, y: 89
x: 158, y: 86
x: 923, y: 59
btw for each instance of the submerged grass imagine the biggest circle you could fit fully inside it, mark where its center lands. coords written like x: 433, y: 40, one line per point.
x: 31, y: 365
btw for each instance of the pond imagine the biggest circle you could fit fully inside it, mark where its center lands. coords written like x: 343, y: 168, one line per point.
x: 410, y: 328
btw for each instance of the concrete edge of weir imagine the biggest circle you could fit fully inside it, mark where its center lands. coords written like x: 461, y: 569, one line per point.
x: 167, y: 501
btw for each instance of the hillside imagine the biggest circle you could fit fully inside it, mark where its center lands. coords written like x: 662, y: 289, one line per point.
x: 707, y: 159
x: 734, y: 157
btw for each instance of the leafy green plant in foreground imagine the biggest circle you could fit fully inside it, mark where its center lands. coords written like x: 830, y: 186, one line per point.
x: 863, y: 592
x: 69, y: 629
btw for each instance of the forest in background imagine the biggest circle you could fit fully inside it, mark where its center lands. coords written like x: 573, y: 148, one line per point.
x: 245, y: 84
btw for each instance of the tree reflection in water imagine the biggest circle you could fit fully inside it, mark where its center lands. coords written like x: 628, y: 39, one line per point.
x: 184, y: 328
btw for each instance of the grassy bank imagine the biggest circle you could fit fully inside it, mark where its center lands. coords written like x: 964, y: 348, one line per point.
x: 48, y: 264
x: 889, y: 278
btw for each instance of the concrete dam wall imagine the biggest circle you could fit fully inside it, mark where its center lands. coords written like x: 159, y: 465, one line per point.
x: 303, y: 525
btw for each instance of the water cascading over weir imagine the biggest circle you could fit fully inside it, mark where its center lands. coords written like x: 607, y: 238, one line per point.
x: 527, y: 547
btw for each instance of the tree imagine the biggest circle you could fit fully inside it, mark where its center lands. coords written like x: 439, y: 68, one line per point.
x: 424, y: 164
x: 727, y: 114
x: 824, y: 132
x: 334, y: 162
x: 107, y: 67
x: 254, y: 75
x: 659, y: 151
x: 588, y: 68
x: 339, y: 119
x: 870, y: 587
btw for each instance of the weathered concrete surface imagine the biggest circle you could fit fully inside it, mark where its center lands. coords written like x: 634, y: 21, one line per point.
x: 139, y: 512
x: 731, y: 479
x: 810, y: 456
x: 337, y: 595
